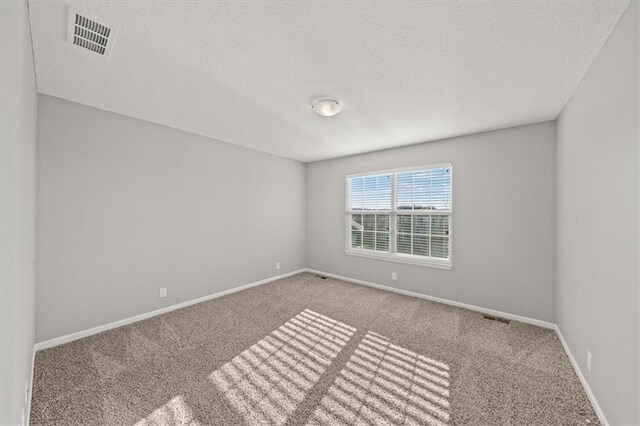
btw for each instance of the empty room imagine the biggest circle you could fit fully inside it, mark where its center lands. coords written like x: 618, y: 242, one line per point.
x: 307, y: 212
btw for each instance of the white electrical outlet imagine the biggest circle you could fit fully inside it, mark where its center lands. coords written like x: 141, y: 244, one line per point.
x: 589, y: 361
x: 394, y: 276
x: 163, y: 292
x: 277, y: 265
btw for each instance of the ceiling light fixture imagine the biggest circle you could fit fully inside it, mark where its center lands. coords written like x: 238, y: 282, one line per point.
x: 326, y: 107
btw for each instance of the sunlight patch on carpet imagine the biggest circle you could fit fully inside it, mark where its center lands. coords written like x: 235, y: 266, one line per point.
x: 383, y: 383
x: 175, y: 411
x: 266, y: 382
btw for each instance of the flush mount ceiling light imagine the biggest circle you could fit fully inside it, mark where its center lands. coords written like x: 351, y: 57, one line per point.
x: 326, y: 107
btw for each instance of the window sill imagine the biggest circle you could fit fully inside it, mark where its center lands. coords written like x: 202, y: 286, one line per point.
x: 411, y: 260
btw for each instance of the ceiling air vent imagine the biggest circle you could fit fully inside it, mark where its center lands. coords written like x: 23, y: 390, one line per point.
x: 89, y: 34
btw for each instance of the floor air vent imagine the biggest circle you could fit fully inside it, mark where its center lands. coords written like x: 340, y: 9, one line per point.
x: 89, y: 34
x: 495, y: 318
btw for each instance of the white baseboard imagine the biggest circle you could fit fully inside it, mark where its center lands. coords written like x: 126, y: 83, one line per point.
x: 493, y: 312
x: 30, y: 395
x: 585, y: 385
x: 84, y: 333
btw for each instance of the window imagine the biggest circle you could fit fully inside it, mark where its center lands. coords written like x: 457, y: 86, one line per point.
x: 402, y: 215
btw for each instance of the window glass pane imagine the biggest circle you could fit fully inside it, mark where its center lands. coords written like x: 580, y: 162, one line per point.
x: 356, y: 239
x: 356, y: 231
x: 404, y: 223
x: 441, y: 189
x: 357, y: 190
x: 369, y: 222
x: 421, y: 224
x: 428, y: 189
x: 421, y: 245
x: 440, y: 247
x: 421, y: 189
x: 369, y: 240
x: 440, y: 225
x: 356, y: 221
x: 382, y: 241
x: 370, y: 192
x: 384, y: 192
x: 382, y: 222
x: 404, y: 190
x: 404, y: 243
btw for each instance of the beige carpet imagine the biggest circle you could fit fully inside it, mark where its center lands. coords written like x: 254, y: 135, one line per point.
x: 306, y: 350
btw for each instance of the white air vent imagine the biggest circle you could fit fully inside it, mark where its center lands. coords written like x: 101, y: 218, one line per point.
x: 89, y: 34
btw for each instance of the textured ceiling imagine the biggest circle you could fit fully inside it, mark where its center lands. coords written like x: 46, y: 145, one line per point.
x: 407, y: 72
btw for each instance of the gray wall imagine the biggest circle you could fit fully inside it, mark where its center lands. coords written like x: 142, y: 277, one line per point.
x: 503, y: 220
x: 18, y: 107
x: 127, y: 206
x: 597, y: 281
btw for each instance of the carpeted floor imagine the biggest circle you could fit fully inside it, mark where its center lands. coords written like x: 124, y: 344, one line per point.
x: 306, y: 350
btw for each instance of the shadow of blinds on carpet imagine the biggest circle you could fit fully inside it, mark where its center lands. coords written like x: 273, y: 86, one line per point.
x: 383, y: 383
x: 266, y: 382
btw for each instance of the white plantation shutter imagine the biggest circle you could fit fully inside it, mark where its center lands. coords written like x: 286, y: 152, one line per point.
x: 401, y: 215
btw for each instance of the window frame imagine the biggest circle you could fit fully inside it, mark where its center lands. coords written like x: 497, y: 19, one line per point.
x: 392, y: 255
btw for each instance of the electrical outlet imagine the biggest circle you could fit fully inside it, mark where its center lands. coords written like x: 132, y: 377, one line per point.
x: 277, y: 265
x: 394, y: 276
x: 163, y: 292
x: 589, y: 361
x: 26, y: 391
